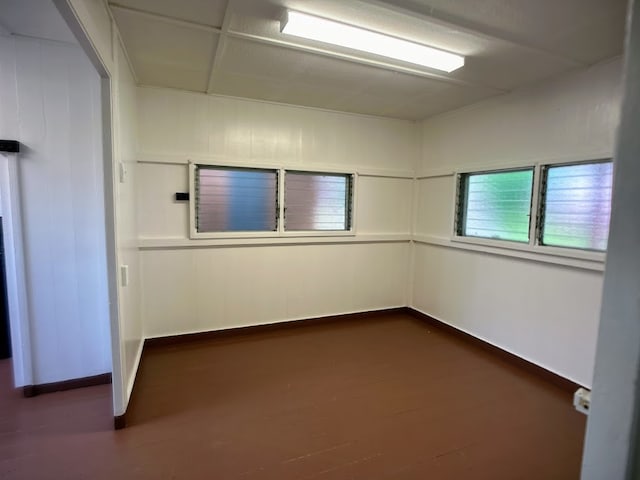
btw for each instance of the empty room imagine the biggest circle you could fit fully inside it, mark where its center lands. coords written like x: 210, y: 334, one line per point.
x: 334, y: 239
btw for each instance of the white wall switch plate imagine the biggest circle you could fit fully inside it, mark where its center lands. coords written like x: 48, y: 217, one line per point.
x: 124, y: 275
x: 582, y: 400
x: 122, y: 171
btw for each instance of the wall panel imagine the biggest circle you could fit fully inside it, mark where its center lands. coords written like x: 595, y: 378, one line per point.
x: 55, y: 114
x: 125, y: 123
x: 545, y: 313
x: 199, y: 287
x: 189, y: 125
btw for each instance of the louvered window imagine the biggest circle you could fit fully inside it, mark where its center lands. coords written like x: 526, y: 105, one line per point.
x: 495, y: 205
x: 317, y: 201
x: 236, y: 199
x: 576, y: 205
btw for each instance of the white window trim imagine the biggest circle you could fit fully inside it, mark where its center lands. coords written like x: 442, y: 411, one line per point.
x: 523, y: 254
x: 538, y: 249
x: 280, y: 232
x: 533, y: 246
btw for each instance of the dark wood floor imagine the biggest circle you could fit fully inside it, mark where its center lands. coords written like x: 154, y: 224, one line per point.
x: 388, y: 397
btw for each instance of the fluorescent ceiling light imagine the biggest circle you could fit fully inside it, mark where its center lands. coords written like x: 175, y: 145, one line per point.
x: 328, y: 31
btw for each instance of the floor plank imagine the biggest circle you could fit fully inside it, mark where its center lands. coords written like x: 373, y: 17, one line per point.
x: 382, y: 398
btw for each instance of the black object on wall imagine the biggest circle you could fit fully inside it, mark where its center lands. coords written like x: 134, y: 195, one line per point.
x: 11, y: 146
x: 5, y: 337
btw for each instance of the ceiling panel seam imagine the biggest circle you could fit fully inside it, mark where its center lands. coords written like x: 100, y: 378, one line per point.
x: 470, y: 28
x: 215, y: 59
x: 165, y: 18
x: 40, y: 39
x: 280, y: 104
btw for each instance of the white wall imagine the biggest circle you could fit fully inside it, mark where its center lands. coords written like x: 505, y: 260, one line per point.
x: 198, y: 286
x: 96, y: 32
x: 543, y: 312
x: 50, y: 102
x: 201, y: 289
x: 125, y: 147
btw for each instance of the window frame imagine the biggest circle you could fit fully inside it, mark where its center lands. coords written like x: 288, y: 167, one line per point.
x: 280, y: 232
x: 535, y: 241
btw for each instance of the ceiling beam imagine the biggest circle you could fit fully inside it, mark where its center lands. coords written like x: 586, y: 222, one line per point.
x: 277, y: 42
x: 164, y: 18
x: 445, y: 20
x: 217, y: 54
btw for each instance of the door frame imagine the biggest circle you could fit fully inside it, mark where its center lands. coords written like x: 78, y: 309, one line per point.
x: 17, y: 293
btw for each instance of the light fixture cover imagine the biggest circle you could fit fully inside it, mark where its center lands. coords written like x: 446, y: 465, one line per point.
x: 323, y: 30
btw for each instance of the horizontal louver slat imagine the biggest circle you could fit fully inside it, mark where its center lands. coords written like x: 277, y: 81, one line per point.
x: 236, y: 199
x: 497, y: 204
x: 316, y: 201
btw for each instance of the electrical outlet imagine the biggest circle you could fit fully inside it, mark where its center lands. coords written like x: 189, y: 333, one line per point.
x: 582, y: 400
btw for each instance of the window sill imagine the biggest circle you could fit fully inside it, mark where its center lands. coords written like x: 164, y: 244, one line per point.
x: 559, y: 256
x: 151, y: 243
x: 270, y: 235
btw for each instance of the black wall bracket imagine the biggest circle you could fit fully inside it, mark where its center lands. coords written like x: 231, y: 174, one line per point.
x: 182, y: 196
x: 11, y: 146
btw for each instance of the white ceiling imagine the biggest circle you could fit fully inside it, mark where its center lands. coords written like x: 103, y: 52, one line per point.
x: 234, y: 47
x: 34, y: 18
